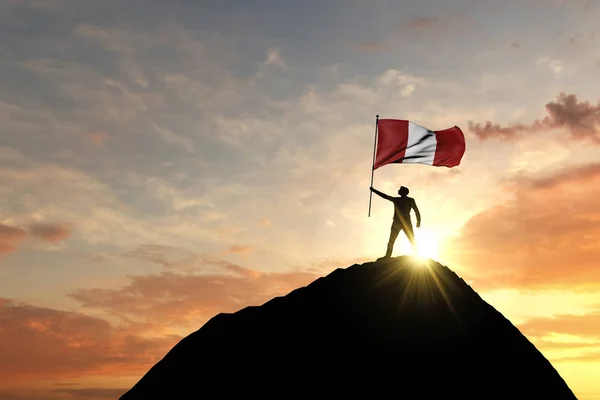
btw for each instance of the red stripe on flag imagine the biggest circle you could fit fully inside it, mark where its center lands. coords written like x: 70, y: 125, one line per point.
x: 450, y: 147
x: 392, y: 139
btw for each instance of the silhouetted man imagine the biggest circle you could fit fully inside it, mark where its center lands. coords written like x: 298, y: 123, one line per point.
x: 402, y: 207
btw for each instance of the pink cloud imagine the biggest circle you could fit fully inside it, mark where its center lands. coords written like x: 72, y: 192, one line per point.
x: 438, y: 27
x: 9, y: 238
x: 43, y: 343
x: 95, y: 393
x: 51, y: 233
x: 11, y: 234
x: 39, y: 343
x: 6, y: 248
x: 423, y: 22
x: 371, y: 46
x: 265, y: 222
x: 547, y: 235
x: 239, y: 249
x: 98, y: 138
x: 187, y: 298
x: 580, y: 118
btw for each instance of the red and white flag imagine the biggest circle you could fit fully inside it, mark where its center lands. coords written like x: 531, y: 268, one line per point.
x: 401, y: 141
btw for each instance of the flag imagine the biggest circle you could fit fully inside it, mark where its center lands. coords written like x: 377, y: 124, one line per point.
x: 401, y: 141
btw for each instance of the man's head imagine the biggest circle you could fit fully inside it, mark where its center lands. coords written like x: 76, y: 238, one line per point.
x: 403, y: 191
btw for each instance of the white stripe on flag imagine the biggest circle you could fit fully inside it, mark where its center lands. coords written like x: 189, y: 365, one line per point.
x: 421, y: 145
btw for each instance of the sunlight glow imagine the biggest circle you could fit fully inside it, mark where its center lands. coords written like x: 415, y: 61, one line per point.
x: 428, y: 240
x: 427, y: 244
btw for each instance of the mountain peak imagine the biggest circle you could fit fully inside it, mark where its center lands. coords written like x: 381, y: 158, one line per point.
x: 401, y: 325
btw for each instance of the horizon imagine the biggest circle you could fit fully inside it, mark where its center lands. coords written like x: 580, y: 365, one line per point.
x: 165, y: 163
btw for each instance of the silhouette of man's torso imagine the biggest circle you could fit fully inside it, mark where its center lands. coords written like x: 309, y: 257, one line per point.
x: 402, y: 207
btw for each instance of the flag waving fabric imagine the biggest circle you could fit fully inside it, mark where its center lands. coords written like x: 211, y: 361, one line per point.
x: 402, y: 141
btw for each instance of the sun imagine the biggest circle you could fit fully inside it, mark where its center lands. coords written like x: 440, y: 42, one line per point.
x: 427, y: 244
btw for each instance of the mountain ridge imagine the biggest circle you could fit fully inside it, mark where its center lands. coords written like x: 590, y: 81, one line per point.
x: 415, y: 315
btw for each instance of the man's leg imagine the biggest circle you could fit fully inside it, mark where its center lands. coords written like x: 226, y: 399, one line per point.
x: 393, y: 235
x: 410, y: 234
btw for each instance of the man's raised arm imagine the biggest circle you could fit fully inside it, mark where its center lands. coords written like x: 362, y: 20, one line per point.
x: 377, y: 192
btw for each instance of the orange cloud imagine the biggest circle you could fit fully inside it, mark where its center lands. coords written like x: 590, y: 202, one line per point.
x: 11, y: 234
x: 239, y: 249
x: 52, y: 233
x: 96, y: 393
x: 9, y: 237
x: 71, y: 393
x: 371, y: 46
x: 189, y: 299
x: 586, y: 325
x: 580, y: 119
x: 98, y: 138
x: 423, y: 22
x: 41, y: 343
x: 265, y: 222
x: 546, y: 236
x: 6, y: 248
x: 167, y: 257
x: 438, y: 27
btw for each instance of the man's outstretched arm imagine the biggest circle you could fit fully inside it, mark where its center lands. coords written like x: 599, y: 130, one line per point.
x: 417, y: 213
x: 377, y: 192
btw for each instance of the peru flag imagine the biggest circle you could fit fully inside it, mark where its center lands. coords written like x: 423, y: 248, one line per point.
x: 401, y: 141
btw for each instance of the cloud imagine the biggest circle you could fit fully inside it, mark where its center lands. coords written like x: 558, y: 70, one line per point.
x: 166, y: 257
x: 450, y: 24
x: 51, y: 233
x: 590, y: 356
x: 9, y: 237
x: 274, y: 58
x: 264, y: 222
x: 11, y: 234
x: 544, y: 235
x: 176, y: 199
x: 6, y: 248
x: 36, y: 195
x: 173, y: 138
x: 371, y: 46
x: 39, y: 343
x: 98, y: 138
x: 190, y: 299
x: 96, y: 393
x: 558, y: 67
x: 585, y: 325
x: 423, y: 22
x: 580, y: 118
x: 566, y: 337
x: 191, y: 288
x: 179, y: 103
x: 582, y: 39
x: 239, y: 249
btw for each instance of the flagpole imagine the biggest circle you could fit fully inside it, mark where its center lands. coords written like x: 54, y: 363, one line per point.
x: 373, y: 164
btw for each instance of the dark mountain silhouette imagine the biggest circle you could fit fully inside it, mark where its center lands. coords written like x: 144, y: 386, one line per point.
x: 397, y: 327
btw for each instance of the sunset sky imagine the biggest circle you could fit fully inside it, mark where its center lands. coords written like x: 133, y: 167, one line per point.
x: 164, y: 161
